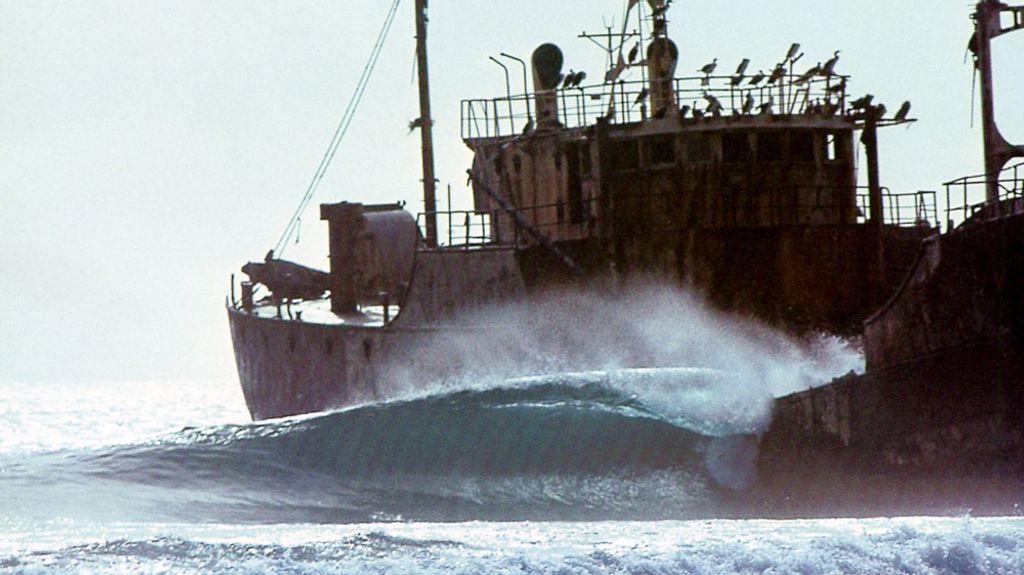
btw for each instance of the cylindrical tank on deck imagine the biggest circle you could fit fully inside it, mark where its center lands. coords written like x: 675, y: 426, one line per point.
x: 547, y: 74
x: 662, y: 56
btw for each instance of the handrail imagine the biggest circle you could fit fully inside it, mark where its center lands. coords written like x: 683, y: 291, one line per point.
x: 972, y: 203
x: 625, y: 102
x: 783, y: 207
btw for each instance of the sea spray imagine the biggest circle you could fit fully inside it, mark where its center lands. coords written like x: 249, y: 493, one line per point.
x: 642, y: 326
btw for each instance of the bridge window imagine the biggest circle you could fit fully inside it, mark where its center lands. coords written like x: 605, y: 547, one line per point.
x: 661, y: 150
x: 698, y: 147
x: 769, y: 147
x: 735, y: 147
x: 624, y: 155
x: 835, y: 150
x: 801, y: 147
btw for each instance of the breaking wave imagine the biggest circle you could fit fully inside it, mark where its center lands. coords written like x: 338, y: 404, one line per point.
x: 628, y: 444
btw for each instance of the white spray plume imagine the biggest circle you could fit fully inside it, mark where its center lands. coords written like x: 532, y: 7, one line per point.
x: 651, y: 326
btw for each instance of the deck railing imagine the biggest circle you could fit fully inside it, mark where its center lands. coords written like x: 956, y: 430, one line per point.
x: 786, y: 206
x: 626, y: 102
x: 967, y: 201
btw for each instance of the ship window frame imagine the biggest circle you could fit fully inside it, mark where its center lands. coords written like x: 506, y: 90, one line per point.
x: 835, y: 147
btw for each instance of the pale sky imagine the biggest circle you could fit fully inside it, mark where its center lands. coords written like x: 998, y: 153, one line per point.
x: 150, y: 148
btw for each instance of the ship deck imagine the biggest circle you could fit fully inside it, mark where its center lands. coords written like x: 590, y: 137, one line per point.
x: 319, y: 311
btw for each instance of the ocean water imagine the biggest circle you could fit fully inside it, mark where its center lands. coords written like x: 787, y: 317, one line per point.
x: 577, y: 473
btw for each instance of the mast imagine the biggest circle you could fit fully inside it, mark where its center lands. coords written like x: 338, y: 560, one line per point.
x: 988, y: 26
x: 426, y: 125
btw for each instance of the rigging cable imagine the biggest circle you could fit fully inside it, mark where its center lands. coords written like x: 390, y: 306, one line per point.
x: 340, y: 131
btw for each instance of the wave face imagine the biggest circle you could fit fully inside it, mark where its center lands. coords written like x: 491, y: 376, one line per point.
x: 630, y: 444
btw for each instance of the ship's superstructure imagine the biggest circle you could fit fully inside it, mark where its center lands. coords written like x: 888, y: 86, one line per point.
x: 741, y: 186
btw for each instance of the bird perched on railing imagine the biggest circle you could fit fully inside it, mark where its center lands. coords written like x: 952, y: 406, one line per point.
x: 806, y: 76
x: 567, y: 81
x: 573, y: 80
x: 766, y: 107
x: 793, y: 49
x: 829, y: 68
x: 758, y: 78
x: 862, y: 102
x: 748, y: 104
x: 714, y: 106
x: 777, y: 74
x: 740, y: 71
x: 707, y: 71
x: 640, y: 97
x: 837, y: 88
x: 902, y: 113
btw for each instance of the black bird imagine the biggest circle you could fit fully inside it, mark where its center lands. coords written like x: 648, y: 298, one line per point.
x: 748, y: 104
x: 758, y: 78
x: 792, y: 51
x: 837, y: 87
x: 714, y: 106
x: 684, y: 110
x: 709, y: 68
x: 814, y: 71
x: 777, y: 74
x: 901, y: 114
x: 633, y: 52
x: 862, y: 102
x: 640, y: 97
x: 830, y: 67
x: 580, y: 76
x: 740, y: 70
x: 567, y: 83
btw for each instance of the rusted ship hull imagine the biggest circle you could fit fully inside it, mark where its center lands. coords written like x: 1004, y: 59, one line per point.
x: 304, y: 359
x: 939, y: 416
x: 288, y: 368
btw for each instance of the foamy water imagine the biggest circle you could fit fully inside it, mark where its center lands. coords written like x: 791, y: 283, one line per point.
x: 605, y: 436
x: 171, y: 478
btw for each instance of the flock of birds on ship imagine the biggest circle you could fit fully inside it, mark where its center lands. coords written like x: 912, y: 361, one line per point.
x: 742, y: 88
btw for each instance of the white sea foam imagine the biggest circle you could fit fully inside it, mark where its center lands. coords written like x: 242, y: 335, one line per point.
x: 902, y: 545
